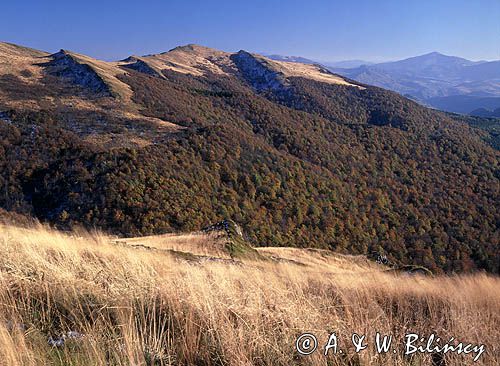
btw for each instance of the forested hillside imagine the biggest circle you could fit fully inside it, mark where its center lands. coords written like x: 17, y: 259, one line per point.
x: 296, y: 157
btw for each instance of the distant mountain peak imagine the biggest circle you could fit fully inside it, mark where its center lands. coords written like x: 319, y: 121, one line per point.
x: 437, y: 79
x: 188, y: 59
x: 189, y: 47
x: 195, y: 49
x: 434, y: 53
x: 285, y: 58
x: 432, y: 57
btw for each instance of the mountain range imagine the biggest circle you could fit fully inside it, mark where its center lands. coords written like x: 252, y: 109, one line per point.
x: 294, y: 153
x: 346, y: 64
x: 448, y: 83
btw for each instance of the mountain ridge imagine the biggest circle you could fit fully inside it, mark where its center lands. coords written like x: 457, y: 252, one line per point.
x: 191, y: 58
x: 434, y: 75
x: 296, y: 155
x: 430, y: 76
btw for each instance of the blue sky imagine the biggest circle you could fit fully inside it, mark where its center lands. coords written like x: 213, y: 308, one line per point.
x: 324, y: 30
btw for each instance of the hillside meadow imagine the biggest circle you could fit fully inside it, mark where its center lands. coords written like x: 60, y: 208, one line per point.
x: 90, y: 299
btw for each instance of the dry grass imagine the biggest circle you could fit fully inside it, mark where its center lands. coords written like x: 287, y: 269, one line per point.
x: 198, y: 60
x: 193, y: 243
x: 313, y: 72
x: 143, y: 307
x: 21, y: 61
x: 192, y: 59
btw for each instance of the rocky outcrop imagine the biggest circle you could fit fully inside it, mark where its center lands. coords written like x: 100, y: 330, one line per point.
x: 142, y: 66
x: 67, y: 66
x: 259, y: 72
x: 410, y: 269
x: 232, y: 234
x: 229, y: 226
x: 4, y: 117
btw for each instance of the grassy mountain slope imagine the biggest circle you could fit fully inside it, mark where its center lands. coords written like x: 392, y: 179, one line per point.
x: 83, y: 299
x: 295, y: 160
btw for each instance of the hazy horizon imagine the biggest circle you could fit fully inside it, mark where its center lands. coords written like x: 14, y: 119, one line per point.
x: 376, y: 59
x: 320, y: 30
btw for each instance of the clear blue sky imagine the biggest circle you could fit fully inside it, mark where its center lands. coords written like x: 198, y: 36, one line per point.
x: 323, y: 30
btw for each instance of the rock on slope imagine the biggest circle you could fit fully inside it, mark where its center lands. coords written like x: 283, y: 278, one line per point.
x: 94, y: 75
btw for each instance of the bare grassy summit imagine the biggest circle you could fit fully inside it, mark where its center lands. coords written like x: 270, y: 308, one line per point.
x: 89, y: 299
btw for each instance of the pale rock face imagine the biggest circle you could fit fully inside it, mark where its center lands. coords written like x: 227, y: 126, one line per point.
x: 67, y: 66
x: 87, y: 72
x: 267, y: 74
x: 259, y: 72
x: 138, y: 64
x: 31, y: 66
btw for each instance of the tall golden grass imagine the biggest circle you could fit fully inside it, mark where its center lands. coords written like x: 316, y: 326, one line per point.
x: 135, y: 306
